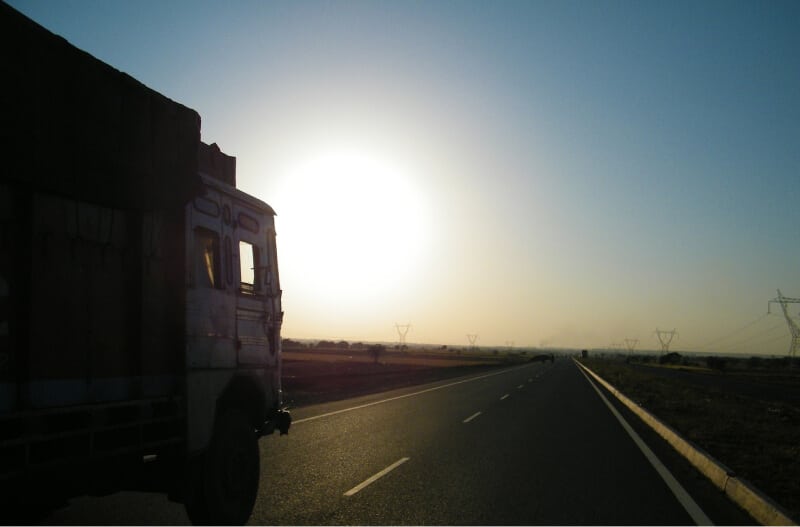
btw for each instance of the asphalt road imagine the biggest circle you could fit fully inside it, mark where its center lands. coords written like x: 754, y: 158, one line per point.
x: 528, y: 445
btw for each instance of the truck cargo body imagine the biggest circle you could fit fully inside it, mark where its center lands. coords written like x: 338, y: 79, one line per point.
x: 117, y: 324
x: 92, y: 354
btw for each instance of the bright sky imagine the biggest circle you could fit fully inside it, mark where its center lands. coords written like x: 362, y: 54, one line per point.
x: 563, y: 173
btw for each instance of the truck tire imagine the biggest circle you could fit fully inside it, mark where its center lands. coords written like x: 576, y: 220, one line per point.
x: 223, y: 482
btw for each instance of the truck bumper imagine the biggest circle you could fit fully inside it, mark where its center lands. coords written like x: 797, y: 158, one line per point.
x: 281, y: 420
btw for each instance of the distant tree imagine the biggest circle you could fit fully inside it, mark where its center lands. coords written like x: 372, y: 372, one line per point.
x: 755, y: 362
x: 289, y: 344
x: 716, y: 363
x: 673, y: 357
x: 779, y: 363
x: 343, y: 345
x: 376, y: 351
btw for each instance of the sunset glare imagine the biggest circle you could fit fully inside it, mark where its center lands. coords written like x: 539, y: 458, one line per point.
x: 363, y: 228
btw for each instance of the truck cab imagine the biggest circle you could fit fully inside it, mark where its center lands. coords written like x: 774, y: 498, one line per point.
x: 233, y: 302
x: 233, y: 322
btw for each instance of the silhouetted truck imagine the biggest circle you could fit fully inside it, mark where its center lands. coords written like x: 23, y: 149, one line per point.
x: 140, y: 302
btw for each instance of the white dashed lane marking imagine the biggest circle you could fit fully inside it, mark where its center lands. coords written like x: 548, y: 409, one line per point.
x: 470, y: 418
x: 376, y: 477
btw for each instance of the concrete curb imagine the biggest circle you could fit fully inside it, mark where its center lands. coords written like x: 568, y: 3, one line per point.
x: 760, y: 507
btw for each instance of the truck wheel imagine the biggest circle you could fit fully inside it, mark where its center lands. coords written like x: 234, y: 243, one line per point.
x: 223, y: 482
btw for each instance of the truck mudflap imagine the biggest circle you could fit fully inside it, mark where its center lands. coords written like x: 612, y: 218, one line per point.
x: 281, y: 420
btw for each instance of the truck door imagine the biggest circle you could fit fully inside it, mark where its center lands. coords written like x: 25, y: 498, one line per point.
x: 253, y: 305
x: 210, y: 297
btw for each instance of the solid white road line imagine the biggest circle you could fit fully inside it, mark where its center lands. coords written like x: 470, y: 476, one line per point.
x: 376, y: 477
x: 470, y: 418
x: 698, y: 516
x: 504, y: 397
x: 373, y: 403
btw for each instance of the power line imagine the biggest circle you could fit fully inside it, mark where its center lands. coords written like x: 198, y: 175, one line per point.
x: 756, y: 336
x: 737, y: 330
x: 760, y: 343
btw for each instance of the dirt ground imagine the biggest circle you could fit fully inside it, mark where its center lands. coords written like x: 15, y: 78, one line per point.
x: 311, y: 377
x: 768, y: 386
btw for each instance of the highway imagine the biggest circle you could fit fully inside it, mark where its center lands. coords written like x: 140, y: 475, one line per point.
x: 533, y: 444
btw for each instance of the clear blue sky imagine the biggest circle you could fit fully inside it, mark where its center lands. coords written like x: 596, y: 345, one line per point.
x: 545, y: 173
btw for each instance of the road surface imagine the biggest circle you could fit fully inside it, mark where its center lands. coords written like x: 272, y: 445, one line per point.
x: 533, y: 444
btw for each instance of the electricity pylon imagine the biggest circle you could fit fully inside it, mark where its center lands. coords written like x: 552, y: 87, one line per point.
x: 402, y: 331
x: 793, y: 328
x: 472, y: 339
x: 665, y: 337
x: 631, y: 344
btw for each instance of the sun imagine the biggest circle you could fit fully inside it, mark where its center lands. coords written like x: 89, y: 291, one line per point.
x: 352, y: 227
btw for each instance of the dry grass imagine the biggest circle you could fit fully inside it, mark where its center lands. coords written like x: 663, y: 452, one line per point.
x: 755, y: 432
x: 429, y: 359
x: 315, y: 376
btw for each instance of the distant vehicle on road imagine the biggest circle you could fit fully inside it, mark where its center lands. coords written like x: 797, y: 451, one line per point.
x: 543, y: 357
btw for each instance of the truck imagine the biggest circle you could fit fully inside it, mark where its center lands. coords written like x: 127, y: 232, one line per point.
x: 140, y: 299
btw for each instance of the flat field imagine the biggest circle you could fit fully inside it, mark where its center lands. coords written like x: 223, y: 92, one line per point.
x: 747, y: 418
x: 315, y: 376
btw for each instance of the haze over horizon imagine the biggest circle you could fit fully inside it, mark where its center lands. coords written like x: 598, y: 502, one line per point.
x: 565, y: 174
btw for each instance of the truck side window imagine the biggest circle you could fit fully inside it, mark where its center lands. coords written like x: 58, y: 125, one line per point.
x: 207, y: 258
x: 248, y: 260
